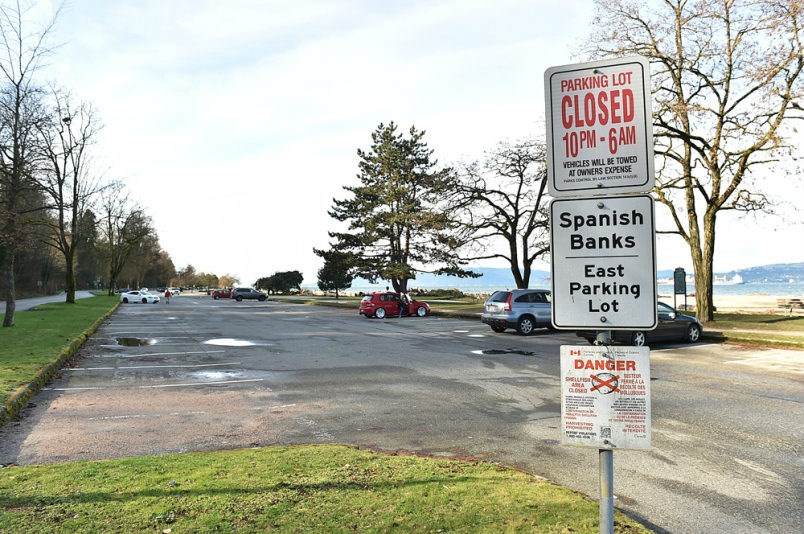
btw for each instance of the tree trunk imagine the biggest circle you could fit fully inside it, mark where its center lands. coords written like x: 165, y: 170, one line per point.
x: 69, y: 277
x: 704, y: 298
x: 400, y: 285
x: 10, y: 293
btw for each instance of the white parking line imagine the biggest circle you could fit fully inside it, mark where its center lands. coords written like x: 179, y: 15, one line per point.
x: 141, y: 416
x: 187, y: 384
x: 202, y: 383
x: 273, y: 407
x: 147, y: 366
x: 158, y: 353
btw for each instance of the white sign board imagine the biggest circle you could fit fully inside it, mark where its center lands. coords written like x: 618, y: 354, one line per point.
x: 603, y: 263
x: 599, y: 127
x: 605, y: 397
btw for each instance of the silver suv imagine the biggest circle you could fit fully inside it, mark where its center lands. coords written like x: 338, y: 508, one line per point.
x: 241, y: 293
x: 521, y: 309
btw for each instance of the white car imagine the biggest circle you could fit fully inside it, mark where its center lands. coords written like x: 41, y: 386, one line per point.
x: 139, y: 296
x: 174, y: 291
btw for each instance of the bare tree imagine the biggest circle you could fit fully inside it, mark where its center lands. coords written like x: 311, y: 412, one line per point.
x: 500, y: 204
x: 726, y: 77
x: 123, y: 226
x: 20, y: 58
x: 66, y: 140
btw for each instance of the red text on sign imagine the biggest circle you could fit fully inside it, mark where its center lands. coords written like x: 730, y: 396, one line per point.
x: 605, y: 107
x: 606, y: 365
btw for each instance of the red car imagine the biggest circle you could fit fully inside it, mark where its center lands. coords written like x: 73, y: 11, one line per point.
x: 222, y: 294
x: 388, y: 303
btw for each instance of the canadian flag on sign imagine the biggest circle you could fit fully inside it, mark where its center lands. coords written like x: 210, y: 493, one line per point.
x: 575, y: 352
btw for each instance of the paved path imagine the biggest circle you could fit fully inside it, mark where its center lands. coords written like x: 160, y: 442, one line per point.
x: 27, y: 304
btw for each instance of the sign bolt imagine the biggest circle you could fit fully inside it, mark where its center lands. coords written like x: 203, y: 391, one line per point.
x: 602, y: 319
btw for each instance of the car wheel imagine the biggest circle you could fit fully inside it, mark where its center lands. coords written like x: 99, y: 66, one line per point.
x: 638, y: 339
x: 525, y: 326
x: 145, y: 301
x: 498, y: 329
x: 239, y: 298
x: 261, y: 299
x: 125, y: 301
x: 693, y: 333
x: 216, y: 297
x: 421, y: 311
x: 380, y: 313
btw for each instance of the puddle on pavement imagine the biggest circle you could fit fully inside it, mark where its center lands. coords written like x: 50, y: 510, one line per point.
x: 215, y: 376
x: 135, y: 341
x: 504, y: 351
x: 232, y: 342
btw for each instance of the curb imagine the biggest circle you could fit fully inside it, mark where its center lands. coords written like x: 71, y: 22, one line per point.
x: 20, y: 397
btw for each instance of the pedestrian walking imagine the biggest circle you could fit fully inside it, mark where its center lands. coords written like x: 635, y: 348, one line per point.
x: 167, y: 295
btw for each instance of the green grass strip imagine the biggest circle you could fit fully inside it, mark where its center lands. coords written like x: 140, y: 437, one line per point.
x: 39, y: 344
x: 325, y: 488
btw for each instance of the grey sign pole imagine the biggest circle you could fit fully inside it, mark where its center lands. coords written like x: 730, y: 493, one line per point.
x: 606, y: 491
x: 606, y: 458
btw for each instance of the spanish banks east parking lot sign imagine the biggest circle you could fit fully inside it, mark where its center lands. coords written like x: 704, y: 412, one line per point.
x: 599, y: 127
x: 604, y: 263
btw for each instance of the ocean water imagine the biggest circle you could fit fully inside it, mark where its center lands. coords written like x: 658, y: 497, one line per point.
x: 780, y: 289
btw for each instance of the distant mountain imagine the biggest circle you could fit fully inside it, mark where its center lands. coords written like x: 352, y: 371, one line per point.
x: 777, y: 272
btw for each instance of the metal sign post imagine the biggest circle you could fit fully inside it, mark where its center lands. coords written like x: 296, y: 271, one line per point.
x: 606, y: 491
x: 605, y: 404
x: 600, y: 142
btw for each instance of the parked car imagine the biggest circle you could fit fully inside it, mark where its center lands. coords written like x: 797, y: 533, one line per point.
x: 524, y: 310
x: 221, y: 294
x: 139, y: 296
x: 386, y: 303
x: 672, y: 326
x: 240, y: 293
x: 174, y: 291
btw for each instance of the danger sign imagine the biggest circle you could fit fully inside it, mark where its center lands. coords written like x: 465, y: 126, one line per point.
x: 599, y: 129
x: 605, y: 397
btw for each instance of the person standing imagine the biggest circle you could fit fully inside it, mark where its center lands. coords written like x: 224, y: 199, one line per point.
x: 167, y: 295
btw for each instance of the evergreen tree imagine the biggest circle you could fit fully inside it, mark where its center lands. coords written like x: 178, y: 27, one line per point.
x: 396, y: 227
x: 336, y: 274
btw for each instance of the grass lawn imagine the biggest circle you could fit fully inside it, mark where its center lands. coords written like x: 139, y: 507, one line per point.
x: 761, y: 321
x: 290, y: 489
x: 40, y: 335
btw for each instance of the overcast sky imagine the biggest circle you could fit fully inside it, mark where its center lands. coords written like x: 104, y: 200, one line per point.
x: 236, y: 122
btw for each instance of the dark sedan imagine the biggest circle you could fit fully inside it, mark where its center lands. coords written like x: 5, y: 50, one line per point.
x: 672, y: 326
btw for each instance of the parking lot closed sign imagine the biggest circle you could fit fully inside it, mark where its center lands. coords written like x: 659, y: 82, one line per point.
x: 599, y: 127
x: 605, y: 397
x: 603, y: 263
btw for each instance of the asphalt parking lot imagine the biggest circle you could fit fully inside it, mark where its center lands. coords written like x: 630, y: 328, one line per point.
x: 200, y: 374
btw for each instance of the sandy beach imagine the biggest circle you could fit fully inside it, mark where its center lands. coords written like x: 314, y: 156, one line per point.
x: 738, y: 303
